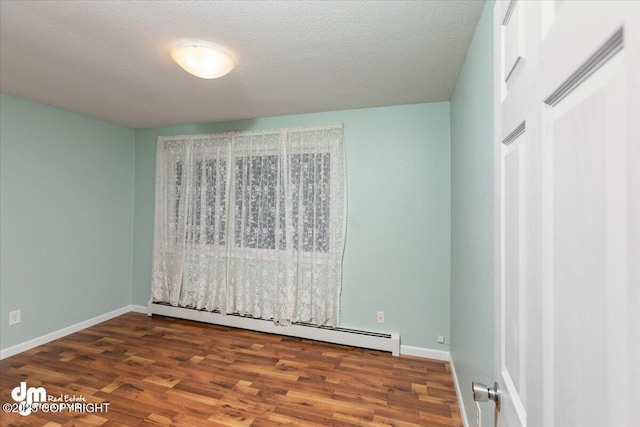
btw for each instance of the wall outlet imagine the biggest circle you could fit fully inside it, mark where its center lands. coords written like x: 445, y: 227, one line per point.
x: 14, y: 317
x: 380, y: 317
x: 441, y: 339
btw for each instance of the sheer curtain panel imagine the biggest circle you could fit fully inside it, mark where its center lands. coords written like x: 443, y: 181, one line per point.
x: 252, y: 223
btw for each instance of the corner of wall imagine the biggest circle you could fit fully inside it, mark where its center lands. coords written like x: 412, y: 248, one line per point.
x: 471, y: 320
x: 133, y: 215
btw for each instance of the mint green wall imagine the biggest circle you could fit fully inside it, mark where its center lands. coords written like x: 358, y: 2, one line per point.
x: 472, y: 216
x: 398, y: 234
x: 66, y: 209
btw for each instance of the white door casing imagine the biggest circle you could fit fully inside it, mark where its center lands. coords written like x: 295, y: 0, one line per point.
x: 567, y: 212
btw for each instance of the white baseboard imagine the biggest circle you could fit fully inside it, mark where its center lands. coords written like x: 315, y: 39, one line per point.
x: 429, y: 353
x: 28, y: 345
x: 139, y: 309
x: 463, y: 412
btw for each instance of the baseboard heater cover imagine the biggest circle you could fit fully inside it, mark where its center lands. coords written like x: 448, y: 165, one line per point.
x: 343, y: 336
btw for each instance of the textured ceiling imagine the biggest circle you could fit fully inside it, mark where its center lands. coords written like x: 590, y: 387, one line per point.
x: 110, y: 59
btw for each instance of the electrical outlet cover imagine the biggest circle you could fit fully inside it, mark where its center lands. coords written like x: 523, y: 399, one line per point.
x: 14, y: 317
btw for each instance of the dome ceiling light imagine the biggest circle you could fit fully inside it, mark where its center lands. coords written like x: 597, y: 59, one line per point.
x: 202, y: 60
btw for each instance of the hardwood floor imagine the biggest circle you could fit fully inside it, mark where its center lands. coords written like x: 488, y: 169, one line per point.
x: 159, y: 371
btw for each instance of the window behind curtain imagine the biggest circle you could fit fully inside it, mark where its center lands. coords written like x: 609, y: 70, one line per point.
x: 258, y: 203
x: 252, y: 223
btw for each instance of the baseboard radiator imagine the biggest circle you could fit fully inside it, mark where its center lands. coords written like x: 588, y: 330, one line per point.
x: 350, y: 337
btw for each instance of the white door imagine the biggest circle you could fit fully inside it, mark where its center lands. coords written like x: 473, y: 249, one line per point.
x: 517, y: 155
x: 567, y: 194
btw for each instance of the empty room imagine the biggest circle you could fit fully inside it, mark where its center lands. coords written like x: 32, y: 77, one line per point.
x: 319, y: 213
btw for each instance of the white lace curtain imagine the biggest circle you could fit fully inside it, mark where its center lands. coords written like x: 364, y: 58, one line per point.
x: 252, y: 223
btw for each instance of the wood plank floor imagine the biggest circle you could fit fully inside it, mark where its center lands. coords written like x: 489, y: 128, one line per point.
x: 160, y: 371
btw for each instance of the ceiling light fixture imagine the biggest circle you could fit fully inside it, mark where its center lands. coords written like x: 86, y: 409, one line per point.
x: 201, y: 60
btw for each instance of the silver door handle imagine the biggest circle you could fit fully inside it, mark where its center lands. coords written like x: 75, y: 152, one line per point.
x: 482, y: 393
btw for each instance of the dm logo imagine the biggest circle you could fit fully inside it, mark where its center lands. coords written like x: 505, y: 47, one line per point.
x: 27, y: 397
